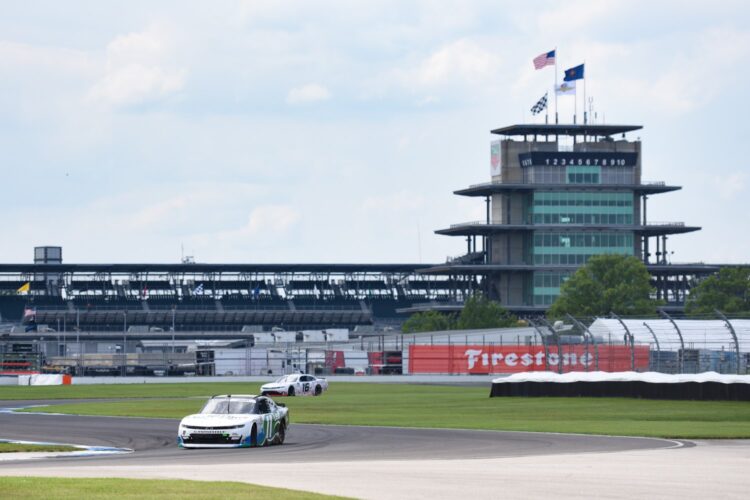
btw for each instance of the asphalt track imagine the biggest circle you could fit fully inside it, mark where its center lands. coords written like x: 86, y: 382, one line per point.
x: 154, y: 442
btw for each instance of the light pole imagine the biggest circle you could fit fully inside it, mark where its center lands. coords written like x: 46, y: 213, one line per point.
x: 173, y: 314
x: 124, y: 341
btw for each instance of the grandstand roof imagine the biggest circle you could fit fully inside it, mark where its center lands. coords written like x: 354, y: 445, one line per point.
x: 565, y: 129
x: 490, y: 188
x: 211, y: 268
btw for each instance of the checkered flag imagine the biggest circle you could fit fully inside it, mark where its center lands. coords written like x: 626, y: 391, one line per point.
x: 540, y: 105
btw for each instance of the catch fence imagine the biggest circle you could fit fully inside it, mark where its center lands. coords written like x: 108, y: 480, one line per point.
x: 613, y: 344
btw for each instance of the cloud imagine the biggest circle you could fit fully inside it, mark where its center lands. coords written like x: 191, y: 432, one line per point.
x: 460, y: 60
x: 312, y: 92
x: 264, y: 222
x: 574, y: 16
x: 731, y: 184
x: 457, y: 69
x: 273, y: 219
x: 138, y: 70
x: 181, y: 208
x: 394, y: 202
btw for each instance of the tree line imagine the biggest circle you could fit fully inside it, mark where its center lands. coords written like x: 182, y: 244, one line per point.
x: 605, y: 284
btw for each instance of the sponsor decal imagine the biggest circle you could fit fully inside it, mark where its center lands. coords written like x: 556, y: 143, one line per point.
x: 524, y: 358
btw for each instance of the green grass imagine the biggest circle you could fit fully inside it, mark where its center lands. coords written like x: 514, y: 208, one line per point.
x: 17, y: 447
x: 103, y: 391
x: 42, y: 488
x: 410, y: 405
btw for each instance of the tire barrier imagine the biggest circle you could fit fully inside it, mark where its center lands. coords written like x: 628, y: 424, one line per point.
x: 704, y: 387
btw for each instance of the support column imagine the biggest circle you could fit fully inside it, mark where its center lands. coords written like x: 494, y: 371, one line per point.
x: 645, y: 236
x: 486, y: 242
x: 658, y: 251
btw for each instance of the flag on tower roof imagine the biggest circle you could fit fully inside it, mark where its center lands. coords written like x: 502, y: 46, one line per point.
x: 566, y: 88
x: 545, y: 59
x: 540, y: 105
x: 574, y: 73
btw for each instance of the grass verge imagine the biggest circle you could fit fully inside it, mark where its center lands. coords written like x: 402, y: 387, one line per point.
x: 42, y: 488
x: 18, y: 447
x: 411, y: 405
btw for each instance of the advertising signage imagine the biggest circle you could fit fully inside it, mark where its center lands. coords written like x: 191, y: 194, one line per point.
x: 482, y: 359
x: 574, y: 158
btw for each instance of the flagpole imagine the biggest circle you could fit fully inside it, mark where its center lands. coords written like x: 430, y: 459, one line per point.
x: 585, y: 120
x: 554, y: 88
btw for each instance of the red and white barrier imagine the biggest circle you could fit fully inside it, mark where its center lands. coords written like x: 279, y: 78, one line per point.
x: 44, y: 379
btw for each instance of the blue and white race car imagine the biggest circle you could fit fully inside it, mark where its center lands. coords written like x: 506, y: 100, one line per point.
x: 300, y: 384
x: 235, y: 421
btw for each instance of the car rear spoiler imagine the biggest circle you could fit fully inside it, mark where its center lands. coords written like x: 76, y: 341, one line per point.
x: 283, y: 405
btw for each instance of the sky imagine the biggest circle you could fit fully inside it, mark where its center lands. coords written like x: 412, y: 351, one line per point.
x: 337, y: 131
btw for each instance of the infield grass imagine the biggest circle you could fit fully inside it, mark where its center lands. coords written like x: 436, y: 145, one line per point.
x: 43, y: 488
x: 412, y: 405
x: 22, y: 447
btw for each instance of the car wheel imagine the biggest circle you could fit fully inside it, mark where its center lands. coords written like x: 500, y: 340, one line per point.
x: 318, y: 390
x: 282, y: 434
x: 290, y: 392
x: 254, y: 436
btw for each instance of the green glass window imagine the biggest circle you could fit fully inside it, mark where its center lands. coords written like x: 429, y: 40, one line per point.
x: 575, y: 248
x: 581, y: 207
x: 580, y: 174
x: 546, y: 286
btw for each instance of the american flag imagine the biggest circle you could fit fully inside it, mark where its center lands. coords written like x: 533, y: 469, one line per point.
x: 545, y: 59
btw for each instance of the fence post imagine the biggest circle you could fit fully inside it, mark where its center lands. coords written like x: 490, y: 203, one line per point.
x: 629, y: 337
x: 681, y: 358
x: 593, y: 341
x: 559, y: 346
x: 734, y: 337
x: 658, y: 349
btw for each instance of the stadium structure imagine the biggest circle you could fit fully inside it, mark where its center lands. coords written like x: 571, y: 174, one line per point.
x: 226, y: 297
x: 558, y: 195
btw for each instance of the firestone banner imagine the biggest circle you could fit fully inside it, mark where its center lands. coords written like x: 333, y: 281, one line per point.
x: 478, y: 359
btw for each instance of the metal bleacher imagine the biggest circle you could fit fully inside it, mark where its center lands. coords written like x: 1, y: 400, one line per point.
x: 112, y: 297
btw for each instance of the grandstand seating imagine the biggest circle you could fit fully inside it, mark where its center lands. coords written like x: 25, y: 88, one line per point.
x: 294, y: 296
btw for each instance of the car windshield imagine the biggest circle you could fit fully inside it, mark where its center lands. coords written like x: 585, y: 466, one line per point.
x: 219, y: 406
x: 286, y: 379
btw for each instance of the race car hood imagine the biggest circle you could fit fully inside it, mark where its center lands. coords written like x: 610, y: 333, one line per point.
x: 208, y: 420
x: 274, y: 385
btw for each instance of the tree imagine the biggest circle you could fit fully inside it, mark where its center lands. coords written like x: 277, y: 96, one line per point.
x: 728, y: 291
x: 480, y: 312
x: 429, y: 321
x: 607, y: 283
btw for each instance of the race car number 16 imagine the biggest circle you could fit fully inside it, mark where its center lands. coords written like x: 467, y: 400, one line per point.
x: 306, y: 387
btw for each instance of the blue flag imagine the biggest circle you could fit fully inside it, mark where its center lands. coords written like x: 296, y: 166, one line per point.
x: 575, y: 73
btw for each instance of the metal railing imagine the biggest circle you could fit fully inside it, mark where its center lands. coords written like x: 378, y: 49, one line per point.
x: 664, y: 344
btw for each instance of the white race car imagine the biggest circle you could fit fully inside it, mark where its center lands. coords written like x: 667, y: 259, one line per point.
x: 295, y: 385
x: 235, y: 421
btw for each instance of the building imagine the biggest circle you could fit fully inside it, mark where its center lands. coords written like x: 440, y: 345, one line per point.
x: 155, y: 299
x: 558, y: 195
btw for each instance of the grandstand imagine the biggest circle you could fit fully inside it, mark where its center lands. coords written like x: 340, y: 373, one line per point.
x: 227, y: 297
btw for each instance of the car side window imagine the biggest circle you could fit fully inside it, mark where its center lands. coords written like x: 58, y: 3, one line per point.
x: 263, y: 407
